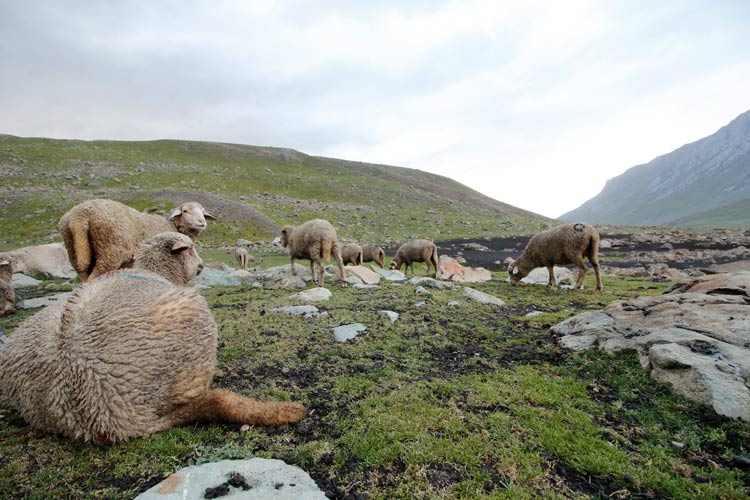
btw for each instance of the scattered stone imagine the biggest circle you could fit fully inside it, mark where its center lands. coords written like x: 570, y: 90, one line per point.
x: 20, y: 280
x: 453, y: 303
x: 393, y: 316
x: 432, y: 283
x: 677, y: 444
x: 450, y: 269
x: 306, y: 311
x: 366, y: 276
x: 475, y: 247
x: 43, y: 301
x: 695, y: 339
x: 246, y: 277
x: 347, y: 332
x: 285, y: 282
x: 419, y: 304
x: 242, y: 242
x: 261, y: 477
x: 219, y: 266
x: 312, y: 295
x: 533, y: 313
x: 245, y: 428
x: 362, y: 286
x: 212, y: 277
x: 540, y: 276
x: 388, y: 274
x: 420, y: 290
x: 481, y: 297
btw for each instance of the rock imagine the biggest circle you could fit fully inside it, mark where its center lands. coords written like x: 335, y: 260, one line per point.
x: 347, y: 332
x: 388, y: 274
x: 362, y: 286
x: 419, y: 304
x: 540, y: 276
x: 242, y: 242
x: 432, y: 283
x: 666, y: 246
x: 219, y: 266
x: 276, y: 241
x: 481, y: 297
x: 453, y: 303
x: 449, y: 269
x: 211, y: 277
x: 366, y: 276
x: 533, y: 313
x: 243, y: 276
x: 475, y: 247
x: 20, y: 280
x: 604, y: 244
x: 420, y: 290
x: 43, y: 301
x: 268, y: 480
x: 286, y: 270
x: 306, y: 311
x: 695, y: 339
x: 312, y: 295
x: 393, y: 316
x: 677, y: 444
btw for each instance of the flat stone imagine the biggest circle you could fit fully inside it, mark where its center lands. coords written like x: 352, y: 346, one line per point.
x: 392, y: 315
x: 389, y: 275
x: 540, y: 276
x: 268, y: 480
x: 362, y: 286
x: 246, y: 277
x: 212, y: 277
x: 43, y: 301
x: 453, y: 303
x: 481, y: 297
x: 420, y: 290
x: 451, y: 269
x: 312, y: 295
x: 347, y: 332
x: 366, y: 276
x: 533, y: 313
x: 21, y: 280
x: 419, y: 304
x: 432, y: 283
x: 306, y: 311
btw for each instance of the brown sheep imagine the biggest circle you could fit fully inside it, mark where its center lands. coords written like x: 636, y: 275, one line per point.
x: 315, y: 240
x: 416, y: 251
x: 104, y: 235
x: 243, y: 257
x: 352, y: 254
x: 127, y: 355
x: 7, y: 295
x: 566, y: 244
x: 372, y: 253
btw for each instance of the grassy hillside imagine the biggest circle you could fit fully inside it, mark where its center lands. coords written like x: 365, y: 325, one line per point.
x: 251, y: 189
x: 732, y: 215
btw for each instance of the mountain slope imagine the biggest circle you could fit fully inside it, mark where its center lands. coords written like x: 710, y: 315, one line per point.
x: 690, y: 186
x: 253, y: 190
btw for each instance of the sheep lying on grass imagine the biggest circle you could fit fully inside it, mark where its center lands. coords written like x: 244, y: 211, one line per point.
x: 372, y: 253
x: 566, y: 244
x: 126, y: 355
x: 352, y: 254
x: 51, y: 259
x: 416, y: 251
x: 314, y: 240
x: 104, y: 235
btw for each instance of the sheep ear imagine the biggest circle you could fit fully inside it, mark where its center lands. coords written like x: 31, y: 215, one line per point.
x: 208, y: 216
x: 515, y: 270
x: 175, y: 212
x: 179, y: 245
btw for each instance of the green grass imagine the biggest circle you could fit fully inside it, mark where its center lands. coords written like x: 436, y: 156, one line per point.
x: 449, y: 403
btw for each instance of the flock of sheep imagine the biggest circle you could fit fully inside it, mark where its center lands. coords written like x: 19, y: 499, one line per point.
x: 133, y: 350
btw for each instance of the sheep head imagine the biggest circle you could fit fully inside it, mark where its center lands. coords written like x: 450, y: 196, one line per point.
x: 393, y: 265
x: 286, y: 233
x: 515, y: 272
x: 171, y: 255
x: 190, y: 216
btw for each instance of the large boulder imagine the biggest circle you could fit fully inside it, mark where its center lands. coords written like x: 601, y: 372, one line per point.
x: 695, y: 339
x: 450, y: 269
x: 364, y: 275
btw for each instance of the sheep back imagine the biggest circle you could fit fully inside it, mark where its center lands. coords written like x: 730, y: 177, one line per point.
x: 352, y: 254
x: 93, y: 366
x: 561, y: 245
x: 372, y: 253
x: 312, y: 240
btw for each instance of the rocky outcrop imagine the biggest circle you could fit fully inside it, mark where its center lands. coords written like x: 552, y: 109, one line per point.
x: 696, y: 338
x: 450, y: 269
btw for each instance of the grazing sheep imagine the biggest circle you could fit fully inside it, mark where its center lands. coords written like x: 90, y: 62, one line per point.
x: 314, y: 240
x: 104, y: 235
x: 126, y: 355
x: 51, y: 259
x: 243, y: 257
x: 416, y: 251
x: 566, y: 244
x: 7, y: 299
x: 352, y: 254
x: 372, y: 253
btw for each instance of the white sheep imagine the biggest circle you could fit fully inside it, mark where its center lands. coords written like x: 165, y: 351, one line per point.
x: 126, y: 355
x: 315, y: 240
x: 566, y: 244
x: 104, y: 235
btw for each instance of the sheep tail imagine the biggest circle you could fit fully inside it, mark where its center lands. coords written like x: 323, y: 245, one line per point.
x: 220, y: 405
x: 326, y: 250
x: 81, y: 247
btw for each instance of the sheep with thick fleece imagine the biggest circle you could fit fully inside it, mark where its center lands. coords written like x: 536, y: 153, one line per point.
x: 566, y: 244
x: 314, y: 240
x: 126, y: 355
x: 51, y: 259
x: 372, y: 253
x: 416, y: 251
x: 352, y: 254
x: 104, y: 235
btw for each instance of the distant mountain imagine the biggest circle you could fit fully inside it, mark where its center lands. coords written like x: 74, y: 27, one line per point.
x: 702, y: 184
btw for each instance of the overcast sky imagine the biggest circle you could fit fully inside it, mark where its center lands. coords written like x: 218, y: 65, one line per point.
x: 536, y: 104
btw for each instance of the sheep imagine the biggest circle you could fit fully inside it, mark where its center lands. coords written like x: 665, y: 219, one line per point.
x: 6, y: 270
x: 371, y: 253
x: 416, y: 251
x: 314, y: 240
x: 566, y: 244
x: 104, y: 235
x: 7, y: 298
x: 128, y: 354
x: 352, y: 254
x: 243, y: 257
x: 51, y: 259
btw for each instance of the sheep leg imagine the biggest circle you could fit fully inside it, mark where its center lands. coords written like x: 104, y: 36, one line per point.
x: 294, y: 271
x: 597, y: 271
x: 312, y: 271
x: 552, y: 282
x: 581, y: 273
x: 337, y: 255
x: 219, y: 405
